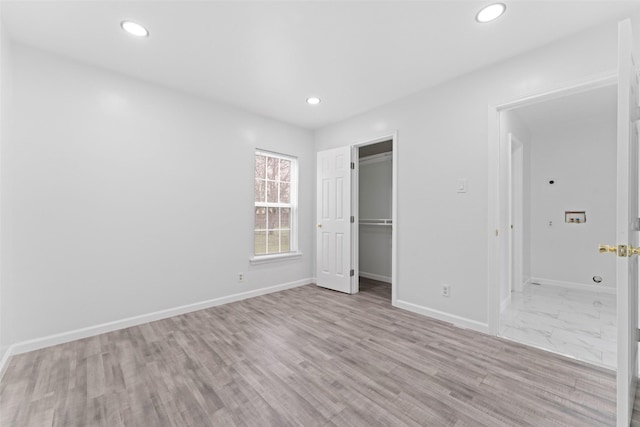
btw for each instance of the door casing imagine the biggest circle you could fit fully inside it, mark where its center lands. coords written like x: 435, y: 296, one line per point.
x: 355, y: 248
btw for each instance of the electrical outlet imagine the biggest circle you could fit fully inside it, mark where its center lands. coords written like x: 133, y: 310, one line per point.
x: 240, y: 277
x: 446, y: 290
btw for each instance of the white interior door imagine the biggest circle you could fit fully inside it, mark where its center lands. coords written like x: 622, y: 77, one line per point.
x: 627, y: 225
x: 333, y: 254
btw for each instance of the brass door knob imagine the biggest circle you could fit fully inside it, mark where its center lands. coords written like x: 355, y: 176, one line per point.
x: 606, y: 248
x: 622, y: 250
x: 319, y: 225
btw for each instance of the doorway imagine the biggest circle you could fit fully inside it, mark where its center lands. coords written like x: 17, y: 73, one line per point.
x: 624, y: 248
x: 338, y: 259
x: 557, y: 292
x: 374, y: 195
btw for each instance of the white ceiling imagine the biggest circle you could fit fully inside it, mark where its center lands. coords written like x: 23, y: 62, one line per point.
x: 601, y: 103
x: 268, y: 57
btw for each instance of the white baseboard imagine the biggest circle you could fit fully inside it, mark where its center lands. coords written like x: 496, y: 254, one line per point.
x: 571, y: 285
x: 461, y: 322
x: 4, y: 361
x: 518, y: 287
x: 373, y: 276
x: 48, y: 341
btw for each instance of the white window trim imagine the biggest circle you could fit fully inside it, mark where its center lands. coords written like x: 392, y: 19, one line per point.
x: 293, y: 226
x: 266, y: 259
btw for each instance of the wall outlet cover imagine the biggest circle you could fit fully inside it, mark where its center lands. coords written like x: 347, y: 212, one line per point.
x: 446, y: 290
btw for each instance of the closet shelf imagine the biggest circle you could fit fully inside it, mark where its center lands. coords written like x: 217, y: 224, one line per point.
x: 383, y: 221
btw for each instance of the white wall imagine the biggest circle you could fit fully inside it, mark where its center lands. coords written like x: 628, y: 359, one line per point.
x: 442, y: 136
x: 568, y: 252
x: 375, y: 179
x: 5, y: 109
x: 121, y: 198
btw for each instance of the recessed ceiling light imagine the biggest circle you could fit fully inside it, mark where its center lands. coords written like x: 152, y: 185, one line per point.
x: 313, y: 100
x: 491, y: 12
x: 134, y: 28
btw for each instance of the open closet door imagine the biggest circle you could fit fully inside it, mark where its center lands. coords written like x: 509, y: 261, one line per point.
x: 333, y: 237
x: 627, y: 225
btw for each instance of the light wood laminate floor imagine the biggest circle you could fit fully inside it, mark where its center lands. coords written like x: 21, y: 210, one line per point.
x: 304, y: 357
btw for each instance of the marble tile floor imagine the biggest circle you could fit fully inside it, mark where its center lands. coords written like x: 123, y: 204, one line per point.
x: 575, y: 323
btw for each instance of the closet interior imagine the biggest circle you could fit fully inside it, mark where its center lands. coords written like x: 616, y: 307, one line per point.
x: 375, y: 172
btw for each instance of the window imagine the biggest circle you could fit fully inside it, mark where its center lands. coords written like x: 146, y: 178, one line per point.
x: 275, y: 207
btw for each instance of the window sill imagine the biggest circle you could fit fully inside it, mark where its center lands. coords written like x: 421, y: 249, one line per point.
x: 265, y: 259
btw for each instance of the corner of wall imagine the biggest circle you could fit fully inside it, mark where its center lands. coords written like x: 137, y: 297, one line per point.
x: 5, y: 357
x: 5, y: 91
x: 457, y: 321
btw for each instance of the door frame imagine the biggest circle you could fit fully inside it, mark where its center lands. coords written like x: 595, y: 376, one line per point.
x: 516, y: 212
x: 497, y: 228
x: 355, y: 229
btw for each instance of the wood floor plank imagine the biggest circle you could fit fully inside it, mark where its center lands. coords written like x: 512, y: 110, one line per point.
x: 303, y: 357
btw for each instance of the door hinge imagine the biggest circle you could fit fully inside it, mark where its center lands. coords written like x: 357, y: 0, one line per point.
x: 352, y: 273
x: 638, y: 335
x: 353, y: 165
x: 353, y: 219
x: 635, y: 224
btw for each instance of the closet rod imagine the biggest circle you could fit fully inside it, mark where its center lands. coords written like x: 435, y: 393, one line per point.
x: 383, y: 221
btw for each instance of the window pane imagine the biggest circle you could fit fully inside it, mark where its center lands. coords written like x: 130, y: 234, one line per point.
x: 260, y: 242
x: 272, y: 168
x: 272, y: 219
x: 261, y: 165
x: 259, y: 190
x: 274, y: 241
x: 285, y: 193
x: 272, y: 192
x: 285, y: 217
x: 285, y: 241
x: 261, y: 218
x: 285, y: 170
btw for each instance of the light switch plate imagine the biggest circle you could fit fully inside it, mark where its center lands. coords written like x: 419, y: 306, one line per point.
x: 462, y: 185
